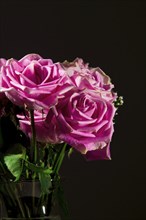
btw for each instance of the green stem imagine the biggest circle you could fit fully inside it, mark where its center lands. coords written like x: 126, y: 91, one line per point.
x: 33, y: 154
x: 20, y: 205
x: 11, y: 188
x: 59, y: 160
x: 34, y: 143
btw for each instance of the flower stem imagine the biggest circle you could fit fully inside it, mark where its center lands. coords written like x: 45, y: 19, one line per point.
x: 33, y: 154
x: 34, y: 144
x: 59, y: 160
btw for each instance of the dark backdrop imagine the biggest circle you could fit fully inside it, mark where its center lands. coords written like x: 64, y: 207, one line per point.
x: 111, y: 35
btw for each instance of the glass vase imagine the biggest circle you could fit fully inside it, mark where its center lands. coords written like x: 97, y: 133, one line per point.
x: 25, y: 200
x: 41, y: 218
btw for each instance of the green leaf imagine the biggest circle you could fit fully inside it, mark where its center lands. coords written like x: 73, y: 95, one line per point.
x: 45, y: 180
x: 14, y: 162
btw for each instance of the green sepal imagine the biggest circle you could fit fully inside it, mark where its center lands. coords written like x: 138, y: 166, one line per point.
x: 70, y: 152
x: 43, y: 174
x: 37, y: 169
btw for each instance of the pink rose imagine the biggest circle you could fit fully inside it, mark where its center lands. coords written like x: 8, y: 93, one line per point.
x: 45, y: 132
x: 3, y: 99
x: 84, y: 77
x: 2, y: 63
x: 85, y: 122
x: 34, y: 81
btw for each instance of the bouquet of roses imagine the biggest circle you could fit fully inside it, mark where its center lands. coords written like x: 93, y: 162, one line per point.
x: 47, y: 110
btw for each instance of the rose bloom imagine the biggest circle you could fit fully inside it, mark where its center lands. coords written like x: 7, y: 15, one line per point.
x: 45, y: 132
x: 3, y: 98
x: 2, y: 63
x: 33, y: 81
x: 82, y: 120
x: 85, y: 122
x: 84, y: 77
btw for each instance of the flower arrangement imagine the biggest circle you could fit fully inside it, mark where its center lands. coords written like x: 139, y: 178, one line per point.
x: 47, y: 110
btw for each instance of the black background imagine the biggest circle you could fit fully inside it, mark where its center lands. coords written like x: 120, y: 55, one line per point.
x: 111, y: 35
